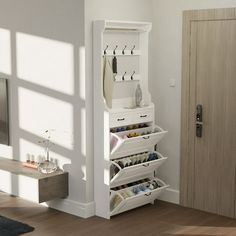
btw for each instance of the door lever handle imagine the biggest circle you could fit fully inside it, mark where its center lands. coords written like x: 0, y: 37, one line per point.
x: 199, y: 123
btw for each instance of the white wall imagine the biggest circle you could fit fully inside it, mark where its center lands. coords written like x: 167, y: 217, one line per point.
x: 166, y: 65
x: 44, y: 59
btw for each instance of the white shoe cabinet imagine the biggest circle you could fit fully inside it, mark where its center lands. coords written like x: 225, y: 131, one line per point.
x: 137, y: 200
x: 124, y: 132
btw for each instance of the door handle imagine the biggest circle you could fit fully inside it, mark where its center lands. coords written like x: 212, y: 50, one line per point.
x: 146, y: 165
x: 121, y: 119
x: 199, y: 123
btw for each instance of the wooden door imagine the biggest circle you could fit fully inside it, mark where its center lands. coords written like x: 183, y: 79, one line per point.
x: 209, y: 79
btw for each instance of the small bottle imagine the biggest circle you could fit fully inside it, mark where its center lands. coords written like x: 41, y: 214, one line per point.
x: 28, y: 158
x: 32, y: 159
x: 138, y: 96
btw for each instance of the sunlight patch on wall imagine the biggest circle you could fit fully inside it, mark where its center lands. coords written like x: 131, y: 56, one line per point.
x: 38, y: 112
x: 6, y: 151
x: 5, y: 51
x: 82, y: 72
x: 83, y: 168
x: 45, y: 62
x: 6, y: 185
x: 83, y: 132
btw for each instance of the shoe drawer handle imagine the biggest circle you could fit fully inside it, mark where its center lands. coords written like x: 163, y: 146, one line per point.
x: 146, y: 137
x: 143, y: 116
x: 121, y: 119
x: 146, y: 165
x: 148, y: 194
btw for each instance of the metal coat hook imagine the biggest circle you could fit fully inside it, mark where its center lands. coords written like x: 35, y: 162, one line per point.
x: 114, y: 51
x: 132, y: 50
x: 123, y: 77
x: 105, y: 51
x: 132, y: 78
x: 123, y: 51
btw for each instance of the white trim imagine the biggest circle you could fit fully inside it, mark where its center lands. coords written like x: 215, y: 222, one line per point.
x: 84, y: 210
x: 170, y: 195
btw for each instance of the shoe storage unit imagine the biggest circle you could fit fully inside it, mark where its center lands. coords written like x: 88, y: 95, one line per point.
x: 125, y: 160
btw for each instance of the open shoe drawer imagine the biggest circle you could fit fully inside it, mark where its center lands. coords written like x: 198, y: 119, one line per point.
x: 137, y: 200
x: 122, y: 146
x: 135, y: 172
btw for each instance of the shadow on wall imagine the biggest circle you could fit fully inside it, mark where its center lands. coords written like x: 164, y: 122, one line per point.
x: 43, y: 56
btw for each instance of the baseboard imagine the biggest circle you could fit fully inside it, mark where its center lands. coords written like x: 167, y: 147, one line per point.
x: 170, y: 195
x: 84, y: 210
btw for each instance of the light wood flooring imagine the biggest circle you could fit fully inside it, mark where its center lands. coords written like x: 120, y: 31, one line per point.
x: 151, y: 220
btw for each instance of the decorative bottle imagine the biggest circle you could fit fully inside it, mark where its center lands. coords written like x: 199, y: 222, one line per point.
x: 47, y: 166
x: 138, y: 96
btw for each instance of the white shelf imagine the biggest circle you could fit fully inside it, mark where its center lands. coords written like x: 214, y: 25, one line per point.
x: 131, y: 115
x: 121, y: 146
x: 126, y: 26
x: 149, y: 108
x: 137, y: 200
x: 136, y: 172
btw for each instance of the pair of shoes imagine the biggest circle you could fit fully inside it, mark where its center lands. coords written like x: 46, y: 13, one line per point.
x: 153, y: 185
x: 140, y: 189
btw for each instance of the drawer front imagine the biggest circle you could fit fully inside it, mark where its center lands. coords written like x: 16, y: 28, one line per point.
x: 121, y: 147
x: 134, y: 117
x: 139, y: 200
x: 144, y: 116
x: 119, y: 119
x: 135, y: 172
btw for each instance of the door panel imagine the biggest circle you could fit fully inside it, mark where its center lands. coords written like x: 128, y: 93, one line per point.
x: 212, y: 83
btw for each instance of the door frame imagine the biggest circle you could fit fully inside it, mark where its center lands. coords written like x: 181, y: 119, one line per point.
x: 186, y: 163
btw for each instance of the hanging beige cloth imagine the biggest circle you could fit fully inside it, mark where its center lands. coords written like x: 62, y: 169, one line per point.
x: 108, y: 82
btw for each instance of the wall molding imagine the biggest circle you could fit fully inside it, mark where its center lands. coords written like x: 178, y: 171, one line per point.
x: 84, y: 210
x: 170, y: 195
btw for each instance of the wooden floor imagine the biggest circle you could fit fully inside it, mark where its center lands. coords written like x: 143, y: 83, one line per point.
x: 151, y: 220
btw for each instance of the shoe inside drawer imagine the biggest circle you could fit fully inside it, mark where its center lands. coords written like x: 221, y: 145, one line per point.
x: 135, y: 141
x: 138, y: 195
x: 134, y: 167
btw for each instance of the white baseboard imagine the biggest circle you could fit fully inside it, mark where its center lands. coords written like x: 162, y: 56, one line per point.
x: 84, y: 210
x: 170, y: 195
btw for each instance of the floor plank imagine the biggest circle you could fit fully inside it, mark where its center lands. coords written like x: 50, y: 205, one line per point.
x: 162, y: 219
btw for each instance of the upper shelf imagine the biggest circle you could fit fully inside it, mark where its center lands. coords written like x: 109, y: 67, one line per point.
x: 127, y: 25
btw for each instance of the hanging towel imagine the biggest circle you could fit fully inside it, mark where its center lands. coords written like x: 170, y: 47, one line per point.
x: 108, y: 82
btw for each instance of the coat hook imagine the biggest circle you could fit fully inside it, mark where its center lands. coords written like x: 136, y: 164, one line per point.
x: 123, y: 51
x: 105, y: 51
x: 132, y: 50
x: 114, y: 51
x: 132, y: 76
x: 123, y: 77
